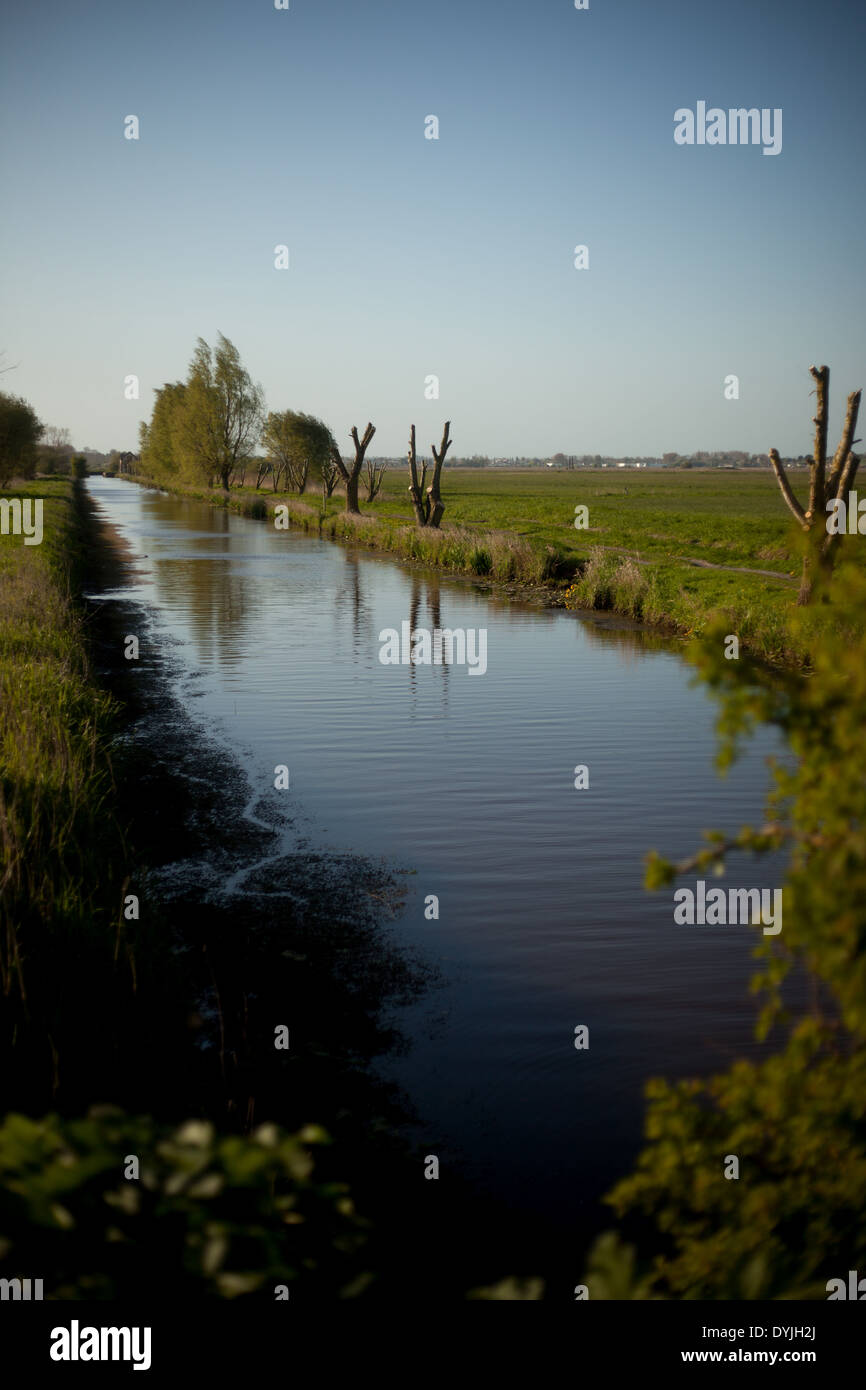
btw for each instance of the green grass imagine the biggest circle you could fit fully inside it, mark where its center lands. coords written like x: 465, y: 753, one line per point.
x: 727, y: 518
x: 58, y: 848
x: 645, y: 531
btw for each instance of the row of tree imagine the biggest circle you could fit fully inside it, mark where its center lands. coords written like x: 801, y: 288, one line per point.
x: 208, y: 429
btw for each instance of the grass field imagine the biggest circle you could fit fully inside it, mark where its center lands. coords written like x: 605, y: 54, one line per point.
x: 726, y: 518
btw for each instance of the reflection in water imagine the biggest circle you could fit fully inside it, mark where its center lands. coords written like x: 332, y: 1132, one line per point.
x: 466, y: 785
x: 628, y: 641
x: 427, y: 589
x: 349, y: 599
x: 221, y: 595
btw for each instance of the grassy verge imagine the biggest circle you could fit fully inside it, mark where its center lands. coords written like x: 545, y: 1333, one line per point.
x: 682, y: 552
x: 57, y: 839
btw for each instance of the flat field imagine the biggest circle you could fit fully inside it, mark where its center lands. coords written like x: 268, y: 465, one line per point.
x: 736, y: 519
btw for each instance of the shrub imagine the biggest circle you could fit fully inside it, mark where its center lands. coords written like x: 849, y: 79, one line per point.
x: 480, y: 561
x: 210, y: 1215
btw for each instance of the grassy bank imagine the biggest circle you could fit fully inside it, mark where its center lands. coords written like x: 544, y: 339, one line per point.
x: 58, y: 841
x: 678, y: 551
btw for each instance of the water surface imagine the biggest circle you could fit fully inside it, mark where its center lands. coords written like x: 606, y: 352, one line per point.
x: 466, y: 784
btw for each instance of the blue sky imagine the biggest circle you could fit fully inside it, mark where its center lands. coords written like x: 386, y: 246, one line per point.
x: 412, y: 257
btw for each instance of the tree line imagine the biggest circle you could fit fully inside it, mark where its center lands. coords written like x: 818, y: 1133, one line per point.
x: 209, y: 428
x: 28, y: 447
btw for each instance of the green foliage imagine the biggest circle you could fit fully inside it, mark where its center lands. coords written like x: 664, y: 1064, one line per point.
x: 20, y: 431
x: 297, y: 445
x: 204, y: 429
x: 78, y: 466
x: 794, y: 1217
x: 211, y: 1215
x: 480, y: 561
x: 160, y: 442
x: 796, y: 1118
x: 613, y: 1272
x: 221, y: 417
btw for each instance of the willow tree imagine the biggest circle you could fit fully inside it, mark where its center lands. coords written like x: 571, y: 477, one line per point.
x: 221, y: 417
x: 314, y: 442
x: 428, y: 505
x: 825, y: 487
x: 159, y: 439
x: 351, y: 473
x: 298, y: 447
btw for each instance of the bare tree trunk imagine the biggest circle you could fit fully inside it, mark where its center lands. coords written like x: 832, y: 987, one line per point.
x: 373, y: 475
x: 420, y: 501
x: 782, y: 478
x: 821, y: 543
x: 301, y: 476
x: 351, y: 475
x: 437, y: 506
x: 843, y: 473
x: 428, y: 506
x: 329, y: 478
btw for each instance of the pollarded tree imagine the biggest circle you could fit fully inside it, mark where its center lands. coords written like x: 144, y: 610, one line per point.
x: 373, y: 474
x: 20, y: 430
x: 221, y: 417
x: 329, y: 478
x: 428, y: 506
x: 824, y: 488
x: 351, y: 473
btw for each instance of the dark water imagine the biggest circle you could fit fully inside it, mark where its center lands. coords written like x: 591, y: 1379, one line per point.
x: 467, y: 783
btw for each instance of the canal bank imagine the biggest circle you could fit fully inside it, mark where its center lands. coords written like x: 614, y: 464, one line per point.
x: 269, y: 643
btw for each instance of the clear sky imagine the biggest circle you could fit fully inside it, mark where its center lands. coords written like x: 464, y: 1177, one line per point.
x: 454, y: 257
